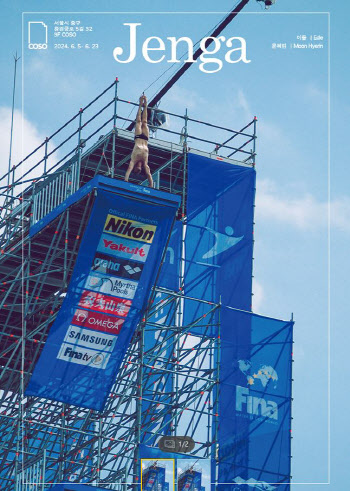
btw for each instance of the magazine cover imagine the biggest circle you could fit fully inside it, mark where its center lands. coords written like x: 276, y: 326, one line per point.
x: 172, y: 267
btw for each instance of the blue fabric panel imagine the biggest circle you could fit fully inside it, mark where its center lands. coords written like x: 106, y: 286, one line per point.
x: 219, y: 234
x: 169, y: 274
x: 255, y: 399
x: 98, y: 317
x: 75, y: 487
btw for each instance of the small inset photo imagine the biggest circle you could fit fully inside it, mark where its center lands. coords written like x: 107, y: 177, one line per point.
x: 193, y: 475
x: 158, y: 475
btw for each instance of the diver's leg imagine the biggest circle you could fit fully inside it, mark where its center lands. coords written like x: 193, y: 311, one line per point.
x: 138, y: 121
x: 144, y: 125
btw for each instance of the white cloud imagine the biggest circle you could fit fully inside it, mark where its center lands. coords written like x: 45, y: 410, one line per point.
x: 314, y: 93
x: 304, y: 212
x: 181, y: 97
x: 48, y: 76
x: 26, y: 137
x: 258, y: 296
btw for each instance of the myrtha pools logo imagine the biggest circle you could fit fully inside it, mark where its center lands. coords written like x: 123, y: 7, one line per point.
x: 37, y: 35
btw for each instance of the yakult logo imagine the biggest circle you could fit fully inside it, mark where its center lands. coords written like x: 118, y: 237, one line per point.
x: 123, y: 248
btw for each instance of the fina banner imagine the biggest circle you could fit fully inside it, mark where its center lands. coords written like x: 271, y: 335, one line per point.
x: 254, y: 401
x: 192, y: 480
x: 155, y: 479
x: 219, y: 233
x: 116, y: 267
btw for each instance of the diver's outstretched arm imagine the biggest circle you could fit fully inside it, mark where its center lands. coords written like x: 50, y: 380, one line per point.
x: 129, y: 171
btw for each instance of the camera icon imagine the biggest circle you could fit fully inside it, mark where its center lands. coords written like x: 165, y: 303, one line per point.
x: 171, y: 444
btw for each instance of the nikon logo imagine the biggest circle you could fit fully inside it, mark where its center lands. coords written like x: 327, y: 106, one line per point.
x: 255, y: 406
x: 130, y: 228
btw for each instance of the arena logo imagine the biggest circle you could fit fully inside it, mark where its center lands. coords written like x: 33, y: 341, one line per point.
x: 130, y: 228
x: 237, y: 54
x: 255, y: 406
x: 111, y: 265
x: 104, y: 264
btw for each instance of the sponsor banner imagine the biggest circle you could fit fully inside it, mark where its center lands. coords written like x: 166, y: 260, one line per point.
x: 111, y: 285
x: 130, y: 228
x: 124, y: 268
x: 254, y: 398
x: 123, y: 248
x: 83, y: 356
x: 107, y: 295
x: 90, y: 339
x: 104, y: 303
x: 96, y: 321
x: 219, y: 234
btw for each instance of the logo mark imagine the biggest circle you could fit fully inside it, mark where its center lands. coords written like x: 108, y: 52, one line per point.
x: 265, y: 373
x: 98, y: 359
x: 131, y: 270
x: 130, y: 228
x: 223, y: 242
x: 37, y: 35
x: 253, y: 483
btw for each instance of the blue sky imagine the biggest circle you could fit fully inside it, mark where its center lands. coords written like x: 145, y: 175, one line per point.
x: 288, y: 91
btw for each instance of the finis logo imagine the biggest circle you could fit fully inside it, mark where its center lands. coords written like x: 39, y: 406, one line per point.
x: 130, y: 228
x: 37, y: 35
x: 255, y: 406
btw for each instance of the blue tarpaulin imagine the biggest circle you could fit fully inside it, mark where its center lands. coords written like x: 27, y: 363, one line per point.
x: 255, y: 398
x: 116, y: 267
x: 255, y: 353
x: 75, y: 487
x: 219, y: 232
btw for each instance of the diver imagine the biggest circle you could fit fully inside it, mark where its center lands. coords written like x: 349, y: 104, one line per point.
x: 139, y: 155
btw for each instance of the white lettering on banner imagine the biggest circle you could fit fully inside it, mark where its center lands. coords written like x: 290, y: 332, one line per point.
x: 83, y: 356
x: 253, y: 483
x: 256, y: 406
x: 91, y: 339
x: 111, y: 285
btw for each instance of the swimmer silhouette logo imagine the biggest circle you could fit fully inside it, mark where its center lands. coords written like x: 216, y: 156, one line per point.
x: 37, y: 35
x: 223, y: 242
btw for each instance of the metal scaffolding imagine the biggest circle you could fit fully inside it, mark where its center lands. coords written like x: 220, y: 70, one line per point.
x: 43, y: 441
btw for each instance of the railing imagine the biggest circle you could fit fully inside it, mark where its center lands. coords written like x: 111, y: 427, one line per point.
x: 53, y: 192
x: 32, y: 477
x: 45, y: 189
